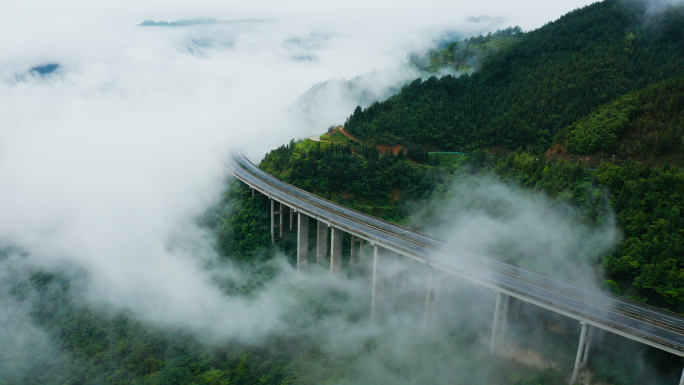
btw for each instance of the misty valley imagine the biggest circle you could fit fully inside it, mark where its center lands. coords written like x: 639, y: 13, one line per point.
x: 463, y: 202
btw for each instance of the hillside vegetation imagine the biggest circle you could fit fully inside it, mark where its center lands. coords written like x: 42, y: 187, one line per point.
x: 527, y: 93
x: 353, y: 175
x: 601, y: 80
x: 644, y: 124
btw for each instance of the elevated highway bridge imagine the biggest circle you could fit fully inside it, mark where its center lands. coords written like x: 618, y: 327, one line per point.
x: 593, y: 309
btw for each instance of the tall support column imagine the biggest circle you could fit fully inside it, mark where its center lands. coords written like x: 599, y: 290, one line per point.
x: 681, y: 380
x: 280, y: 220
x: 302, y: 241
x: 355, y: 256
x: 430, y: 294
x: 504, y: 318
x: 336, y: 251
x: 322, y: 247
x: 587, y: 345
x: 500, y: 319
x: 352, y: 253
x: 291, y: 217
x: 375, y: 292
x: 273, y: 221
x: 579, y: 362
x: 395, y: 278
x: 517, y: 309
x: 495, y: 329
x: 284, y: 229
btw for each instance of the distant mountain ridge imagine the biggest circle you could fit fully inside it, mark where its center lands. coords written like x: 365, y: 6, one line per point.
x: 467, y: 55
x: 195, y: 22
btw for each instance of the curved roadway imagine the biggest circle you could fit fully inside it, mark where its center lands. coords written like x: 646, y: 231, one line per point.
x: 631, y: 319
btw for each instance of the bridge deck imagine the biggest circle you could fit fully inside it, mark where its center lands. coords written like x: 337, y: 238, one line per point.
x: 634, y: 320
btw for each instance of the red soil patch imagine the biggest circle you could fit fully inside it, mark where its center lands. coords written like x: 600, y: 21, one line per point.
x: 341, y: 129
x: 396, y: 194
x: 395, y: 149
x: 557, y: 151
x: 498, y: 150
x: 382, y: 149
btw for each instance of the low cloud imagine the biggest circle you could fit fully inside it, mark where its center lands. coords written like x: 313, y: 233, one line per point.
x: 656, y: 7
x: 489, y: 217
x: 106, y: 162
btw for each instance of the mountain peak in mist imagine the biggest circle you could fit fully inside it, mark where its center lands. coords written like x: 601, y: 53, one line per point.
x: 179, y: 23
x: 196, y: 22
x: 45, y: 69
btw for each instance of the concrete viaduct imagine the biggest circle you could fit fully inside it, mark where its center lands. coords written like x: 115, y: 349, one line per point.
x: 593, y: 309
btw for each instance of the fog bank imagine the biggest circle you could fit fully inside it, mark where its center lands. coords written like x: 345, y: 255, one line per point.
x: 106, y: 162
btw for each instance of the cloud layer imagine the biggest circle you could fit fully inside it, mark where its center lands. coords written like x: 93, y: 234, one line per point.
x: 105, y: 162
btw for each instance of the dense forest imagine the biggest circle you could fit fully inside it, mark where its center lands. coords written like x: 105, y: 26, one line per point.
x: 354, y: 175
x: 648, y: 124
x: 527, y: 93
x: 550, y: 112
x: 602, y: 82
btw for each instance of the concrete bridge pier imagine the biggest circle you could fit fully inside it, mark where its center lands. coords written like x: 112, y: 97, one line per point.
x: 322, y: 242
x: 516, y: 308
x: 284, y: 229
x: 302, y: 241
x: 430, y: 299
x: 336, y: 250
x: 500, y: 320
x: 583, y: 351
x: 681, y: 380
x: 504, y: 317
x: 353, y: 256
x: 376, y: 287
x: 276, y: 220
x: 396, y: 276
x: 280, y: 220
x: 291, y: 217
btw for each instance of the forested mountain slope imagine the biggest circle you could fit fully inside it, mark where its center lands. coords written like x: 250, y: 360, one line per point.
x: 606, y: 79
x: 548, y: 80
x: 645, y: 124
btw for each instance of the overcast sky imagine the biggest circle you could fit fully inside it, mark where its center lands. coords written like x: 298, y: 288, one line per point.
x: 382, y: 14
x: 108, y: 159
